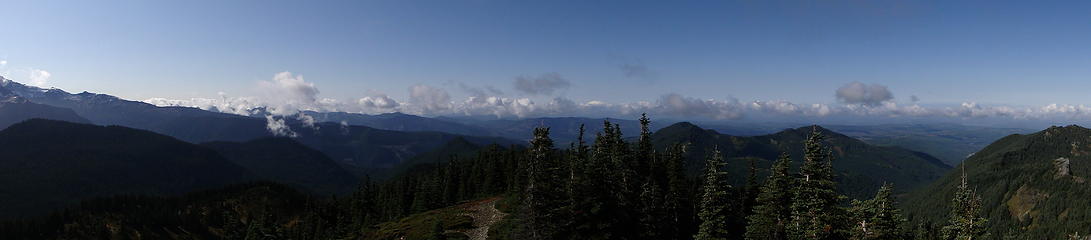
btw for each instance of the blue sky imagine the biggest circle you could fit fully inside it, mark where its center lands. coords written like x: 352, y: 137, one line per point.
x: 943, y: 52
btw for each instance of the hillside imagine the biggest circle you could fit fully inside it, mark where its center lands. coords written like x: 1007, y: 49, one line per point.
x: 286, y: 161
x: 862, y: 167
x: 1033, y: 186
x: 48, y: 164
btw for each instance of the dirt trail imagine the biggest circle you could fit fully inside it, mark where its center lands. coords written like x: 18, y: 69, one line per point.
x: 485, y: 215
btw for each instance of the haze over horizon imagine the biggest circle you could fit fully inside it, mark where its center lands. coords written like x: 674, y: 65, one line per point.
x: 849, y: 62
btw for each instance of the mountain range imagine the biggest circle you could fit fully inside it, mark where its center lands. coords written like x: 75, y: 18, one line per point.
x: 948, y: 142
x: 1031, y: 185
x: 360, y: 147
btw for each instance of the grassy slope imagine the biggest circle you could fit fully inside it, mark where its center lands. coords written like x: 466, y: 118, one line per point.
x: 455, y: 219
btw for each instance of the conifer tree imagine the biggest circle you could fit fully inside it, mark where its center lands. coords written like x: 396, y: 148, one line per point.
x: 965, y: 222
x: 652, y: 211
x: 652, y: 199
x: 677, y: 203
x: 752, y: 188
x: 596, y: 211
x: 544, y: 193
x: 773, y: 211
x: 714, y: 199
x: 878, y: 218
x: 577, y: 160
x: 645, y: 153
x: 627, y: 182
x: 815, y: 211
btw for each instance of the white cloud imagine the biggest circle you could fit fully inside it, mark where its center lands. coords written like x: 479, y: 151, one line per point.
x: 278, y: 127
x: 307, y: 120
x: 39, y: 78
x: 863, y: 94
x: 234, y: 105
x: 429, y: 100
x: 782, y: 107
x: 287, y: 94
x: 380, y: 102
x: 677, y: 105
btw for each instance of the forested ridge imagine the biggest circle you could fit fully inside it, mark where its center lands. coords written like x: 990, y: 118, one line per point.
x: 608, y: 188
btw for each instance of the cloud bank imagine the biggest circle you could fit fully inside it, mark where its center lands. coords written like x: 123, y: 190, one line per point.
x: 287, y: 94
x: 429, y: 99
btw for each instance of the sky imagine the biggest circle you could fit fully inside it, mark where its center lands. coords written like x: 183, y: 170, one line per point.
x: 698, y: 59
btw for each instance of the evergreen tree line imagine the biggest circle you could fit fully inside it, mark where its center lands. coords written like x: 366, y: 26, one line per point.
x: 615, y: 189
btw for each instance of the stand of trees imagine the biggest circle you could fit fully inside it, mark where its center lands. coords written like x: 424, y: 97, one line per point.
x: 622, y: 190
x: 609, y: 189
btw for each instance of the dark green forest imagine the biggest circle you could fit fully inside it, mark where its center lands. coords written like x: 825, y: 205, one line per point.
x: 611, y: 187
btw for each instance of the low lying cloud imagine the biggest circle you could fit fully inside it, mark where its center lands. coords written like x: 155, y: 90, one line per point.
x: 853, y: 100
x: 863, y: 94
x: 429, y: 99
x: 544, y: 84
x: 379, y: 102
x: 26, y: 75
x: 677, y: 105
x: 39, y: 78
x: 278, y: 127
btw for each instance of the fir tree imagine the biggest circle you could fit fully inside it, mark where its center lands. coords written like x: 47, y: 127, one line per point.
x: 652, y: 211
x: 595, y: 209
x: 965, y: 222
x: 577, y: 161
x: 645, y: 152
x: 714, y: 199
x: 878, y: 218
x: 752, y: 188
x: 544, y: 196
x: 677, y: 203
x: 652, y: 192
x: 773, y: 213
x: 815, y: 211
